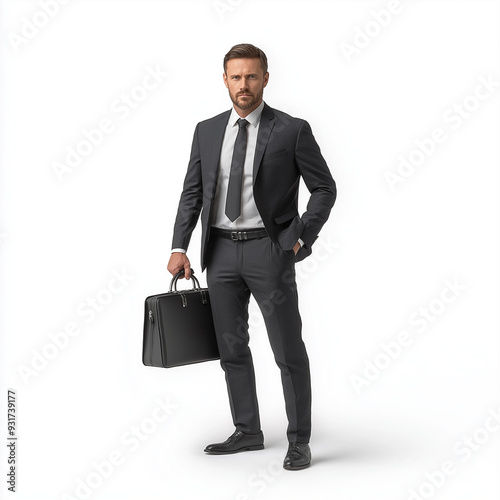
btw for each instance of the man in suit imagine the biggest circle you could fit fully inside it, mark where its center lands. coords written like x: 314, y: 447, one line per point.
x: 243, y: 176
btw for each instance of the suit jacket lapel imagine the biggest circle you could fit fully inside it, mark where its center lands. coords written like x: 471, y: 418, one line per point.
x: 217, y: 136
x: 265, y: 129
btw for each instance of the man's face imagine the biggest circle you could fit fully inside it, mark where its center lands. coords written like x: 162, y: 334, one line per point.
x: 245, y: 81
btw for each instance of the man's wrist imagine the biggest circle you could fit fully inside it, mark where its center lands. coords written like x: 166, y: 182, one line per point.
x: 179, y: 250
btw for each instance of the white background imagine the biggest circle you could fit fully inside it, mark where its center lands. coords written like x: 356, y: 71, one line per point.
x: 382, y: 255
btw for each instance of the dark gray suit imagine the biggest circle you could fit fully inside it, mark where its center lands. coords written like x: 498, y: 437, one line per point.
x: 286, y: 150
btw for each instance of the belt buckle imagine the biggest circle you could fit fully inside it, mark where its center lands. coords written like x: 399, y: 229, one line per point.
x: 239, y: 235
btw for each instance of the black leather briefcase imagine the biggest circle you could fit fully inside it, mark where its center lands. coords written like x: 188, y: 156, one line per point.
x: 178, y: 327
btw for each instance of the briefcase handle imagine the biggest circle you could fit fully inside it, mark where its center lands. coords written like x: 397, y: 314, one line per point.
x: 173, y: 283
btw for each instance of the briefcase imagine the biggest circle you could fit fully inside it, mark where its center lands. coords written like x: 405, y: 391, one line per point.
x: 178, y: 327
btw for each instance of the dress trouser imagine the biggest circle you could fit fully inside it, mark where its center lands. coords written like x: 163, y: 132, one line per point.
x: 236, y: 269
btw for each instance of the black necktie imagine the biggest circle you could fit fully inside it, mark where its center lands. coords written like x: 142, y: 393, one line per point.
x: 233, y: 200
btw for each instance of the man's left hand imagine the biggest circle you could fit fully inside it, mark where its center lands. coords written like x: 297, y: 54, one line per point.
x: 296, y: 248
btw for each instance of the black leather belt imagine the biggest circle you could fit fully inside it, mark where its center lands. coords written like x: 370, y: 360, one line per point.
x: 249, y: 234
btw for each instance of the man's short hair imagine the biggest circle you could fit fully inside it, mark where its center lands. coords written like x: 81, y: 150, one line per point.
x: 246, y: 50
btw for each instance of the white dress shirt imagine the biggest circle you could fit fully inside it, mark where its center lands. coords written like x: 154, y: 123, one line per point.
x: 249, y: 217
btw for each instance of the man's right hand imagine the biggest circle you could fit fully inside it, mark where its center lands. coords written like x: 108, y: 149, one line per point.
x: 178, y: 261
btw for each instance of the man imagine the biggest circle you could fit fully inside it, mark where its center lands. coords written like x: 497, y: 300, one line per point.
x: 243, y: 176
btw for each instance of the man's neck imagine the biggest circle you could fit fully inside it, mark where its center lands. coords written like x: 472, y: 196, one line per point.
x: 243, y: 113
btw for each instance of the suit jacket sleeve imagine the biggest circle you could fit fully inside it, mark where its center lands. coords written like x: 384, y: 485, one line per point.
x: 319, y: 182
x: 191, y: 199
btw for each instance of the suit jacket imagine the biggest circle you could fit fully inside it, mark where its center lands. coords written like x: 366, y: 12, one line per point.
x: 286, y: 150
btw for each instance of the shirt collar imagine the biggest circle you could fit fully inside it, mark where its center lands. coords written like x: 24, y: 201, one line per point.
x: 253, y: 118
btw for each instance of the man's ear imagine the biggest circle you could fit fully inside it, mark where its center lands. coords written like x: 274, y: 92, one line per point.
x: 266, y: 78
x: 224, y: 76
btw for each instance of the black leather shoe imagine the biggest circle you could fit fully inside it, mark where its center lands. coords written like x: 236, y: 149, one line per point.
x: 298, y: 457
x: 239, y: 441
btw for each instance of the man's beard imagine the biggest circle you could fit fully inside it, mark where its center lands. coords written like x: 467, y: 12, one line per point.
x: 248, y: 104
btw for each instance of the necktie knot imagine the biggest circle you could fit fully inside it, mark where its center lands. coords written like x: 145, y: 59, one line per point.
x: 242, y: 123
